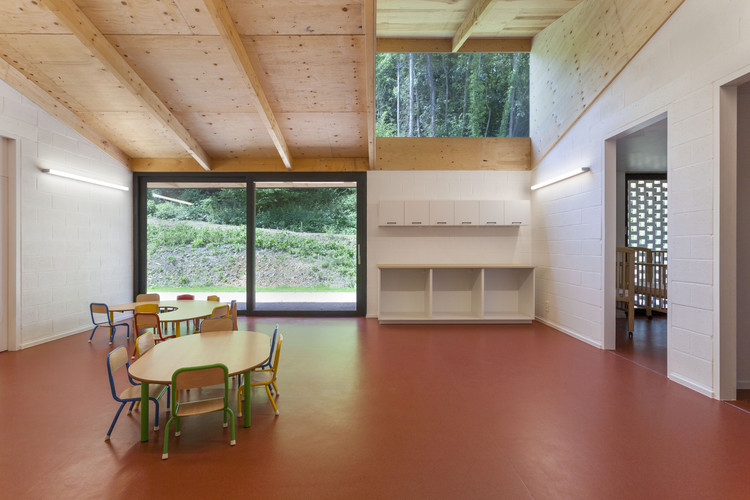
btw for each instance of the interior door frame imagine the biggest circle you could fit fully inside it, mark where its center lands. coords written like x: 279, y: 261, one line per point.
x: 141, y: 179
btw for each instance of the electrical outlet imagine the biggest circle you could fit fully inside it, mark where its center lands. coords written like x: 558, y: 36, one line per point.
x: 546, y: 306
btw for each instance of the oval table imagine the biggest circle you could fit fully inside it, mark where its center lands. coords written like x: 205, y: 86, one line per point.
x: 240, y: 351
x: 178, y: 310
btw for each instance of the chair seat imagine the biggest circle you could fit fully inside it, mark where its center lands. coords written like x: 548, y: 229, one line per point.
x: 261, y: 377
x: 134, y: 391
x: 198, y: 407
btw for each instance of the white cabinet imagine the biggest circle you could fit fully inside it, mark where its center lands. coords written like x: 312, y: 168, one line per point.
x: 467, y: 212
x: 454, y: 213
x: 492, y: 213
x: 391, y: 213
x: 517, y: 212
x: 441, y: 213
x: 416, y: 212
x: 455, y: 294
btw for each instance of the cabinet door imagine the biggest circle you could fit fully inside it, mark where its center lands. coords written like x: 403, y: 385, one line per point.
x: 441, y: 213
x: 416, y: 213
x: 391, y: 213
x: 467, y: 213
x: 492, y: 213
x: 517, y: 212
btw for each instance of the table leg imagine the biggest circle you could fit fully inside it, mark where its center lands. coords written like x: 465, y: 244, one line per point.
x: 178, y: 328
x: 144, y: 412
x: 246, y: 407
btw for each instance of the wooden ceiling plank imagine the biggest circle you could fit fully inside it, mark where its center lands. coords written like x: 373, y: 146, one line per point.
x: 75, y: 20
x: 248, y: 63
x: 472, y: 20
x: 445, y: 45
x: 369, y: 27
x: 43, y: 98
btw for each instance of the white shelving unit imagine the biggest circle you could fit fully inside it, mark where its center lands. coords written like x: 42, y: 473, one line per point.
x: 455, y: 293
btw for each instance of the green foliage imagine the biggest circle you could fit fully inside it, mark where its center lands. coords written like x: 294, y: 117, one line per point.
x: 474, y: 95
x: 308, y: 210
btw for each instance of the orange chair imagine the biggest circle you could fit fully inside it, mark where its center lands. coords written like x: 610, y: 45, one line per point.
x: 216, y: 325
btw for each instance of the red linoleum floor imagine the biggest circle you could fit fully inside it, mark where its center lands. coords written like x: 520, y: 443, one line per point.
x: 383, y: 412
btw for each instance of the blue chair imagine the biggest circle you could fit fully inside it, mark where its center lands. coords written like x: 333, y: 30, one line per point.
x: 132, y: 393
x: 100, y: 317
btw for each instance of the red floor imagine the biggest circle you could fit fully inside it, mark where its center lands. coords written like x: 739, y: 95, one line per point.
x: 370, y: 411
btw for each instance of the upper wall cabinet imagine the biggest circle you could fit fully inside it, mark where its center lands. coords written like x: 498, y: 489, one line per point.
x: 517, y: 212
x: 391, y: 213
x: 454, y: 213
x: 416, y: 213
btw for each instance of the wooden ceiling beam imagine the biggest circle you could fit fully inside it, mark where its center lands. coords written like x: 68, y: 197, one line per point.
x: 369, y: 27
x: 445, y: 45
x: 249, y: 65
x: 76, y: 21
x: 21, y: 80
x: 470, y: 22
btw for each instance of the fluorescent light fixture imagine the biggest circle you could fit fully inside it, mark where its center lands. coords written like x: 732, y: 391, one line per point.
x: 562, y: 177
x: 171, y: 199
x: 81, y: 178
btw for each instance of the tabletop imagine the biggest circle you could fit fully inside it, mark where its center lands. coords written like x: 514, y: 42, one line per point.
x: 240, y: 351
x: 180, y: 310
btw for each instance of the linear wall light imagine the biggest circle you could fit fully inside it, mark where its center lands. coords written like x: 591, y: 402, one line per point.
x: 562, y: 177
x: 81, y: 178
x: 171, y: 199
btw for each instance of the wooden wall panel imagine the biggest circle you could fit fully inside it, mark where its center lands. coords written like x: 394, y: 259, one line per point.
x: 443, y: 45
x: 453, y: 153
x: 578, y: 56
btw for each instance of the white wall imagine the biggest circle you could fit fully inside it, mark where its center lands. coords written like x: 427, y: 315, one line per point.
x: 438, y: 245
x: 75, y: 238
x: 702, y: 43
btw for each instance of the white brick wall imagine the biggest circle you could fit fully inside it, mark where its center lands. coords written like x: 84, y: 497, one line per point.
x: 702, y: 43
x: 449, y: 245
x: 76, y: 238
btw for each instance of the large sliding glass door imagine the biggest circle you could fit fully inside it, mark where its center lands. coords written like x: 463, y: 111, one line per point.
x: 306, y: 246
x: 280, y: 244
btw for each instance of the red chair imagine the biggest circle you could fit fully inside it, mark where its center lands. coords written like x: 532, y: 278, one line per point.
x: 146, y: 321
x: 187, y: 296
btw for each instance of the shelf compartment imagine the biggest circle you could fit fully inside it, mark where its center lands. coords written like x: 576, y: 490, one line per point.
x: 509, y: 293
x: 457, y: 292
x: 404, y: 293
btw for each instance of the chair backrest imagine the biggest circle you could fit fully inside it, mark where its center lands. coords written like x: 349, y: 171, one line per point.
x: 186, y: 296
x: 144, y: 343
x: 146, y: 320
x: 220, y: 311
x: 216, y: 325
x: 99, y: 313
x: 274, y: 339
x: 147, y: 308
x: 192, y: 377
x: 147, y: 297
x: 115, y: 361
x: 214, y: 298
x: 233, y: 313
x: 276, y: 357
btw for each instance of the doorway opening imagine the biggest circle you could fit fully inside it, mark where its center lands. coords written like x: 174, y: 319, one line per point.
x: 4, y: 239
x: 639, y: 244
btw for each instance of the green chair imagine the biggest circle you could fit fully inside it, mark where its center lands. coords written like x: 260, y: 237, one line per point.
x: 194, y: 377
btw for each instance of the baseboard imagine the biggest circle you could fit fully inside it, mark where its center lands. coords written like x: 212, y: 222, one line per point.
x: 570, y: 333
x: 62, y: 335
x: 743, y: 384
x: 706, y: 391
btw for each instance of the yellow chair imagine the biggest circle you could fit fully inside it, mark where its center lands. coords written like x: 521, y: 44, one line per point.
x: 213, y: 298
x: 233, y: 314
x: 220, y: 312
x: 192, y: 378
x: 147, y: 308
x: 265, y: 378
x: 216, y: 325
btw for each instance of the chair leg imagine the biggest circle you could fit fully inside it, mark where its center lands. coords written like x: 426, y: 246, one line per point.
x: 156, y: 413
x: 130, y: 410
x: 164, y: 454
x: 270, y: 398
x: 231, y: 420
x: 92, y: 332
x: 240, y: 393
x: 114, y: 421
